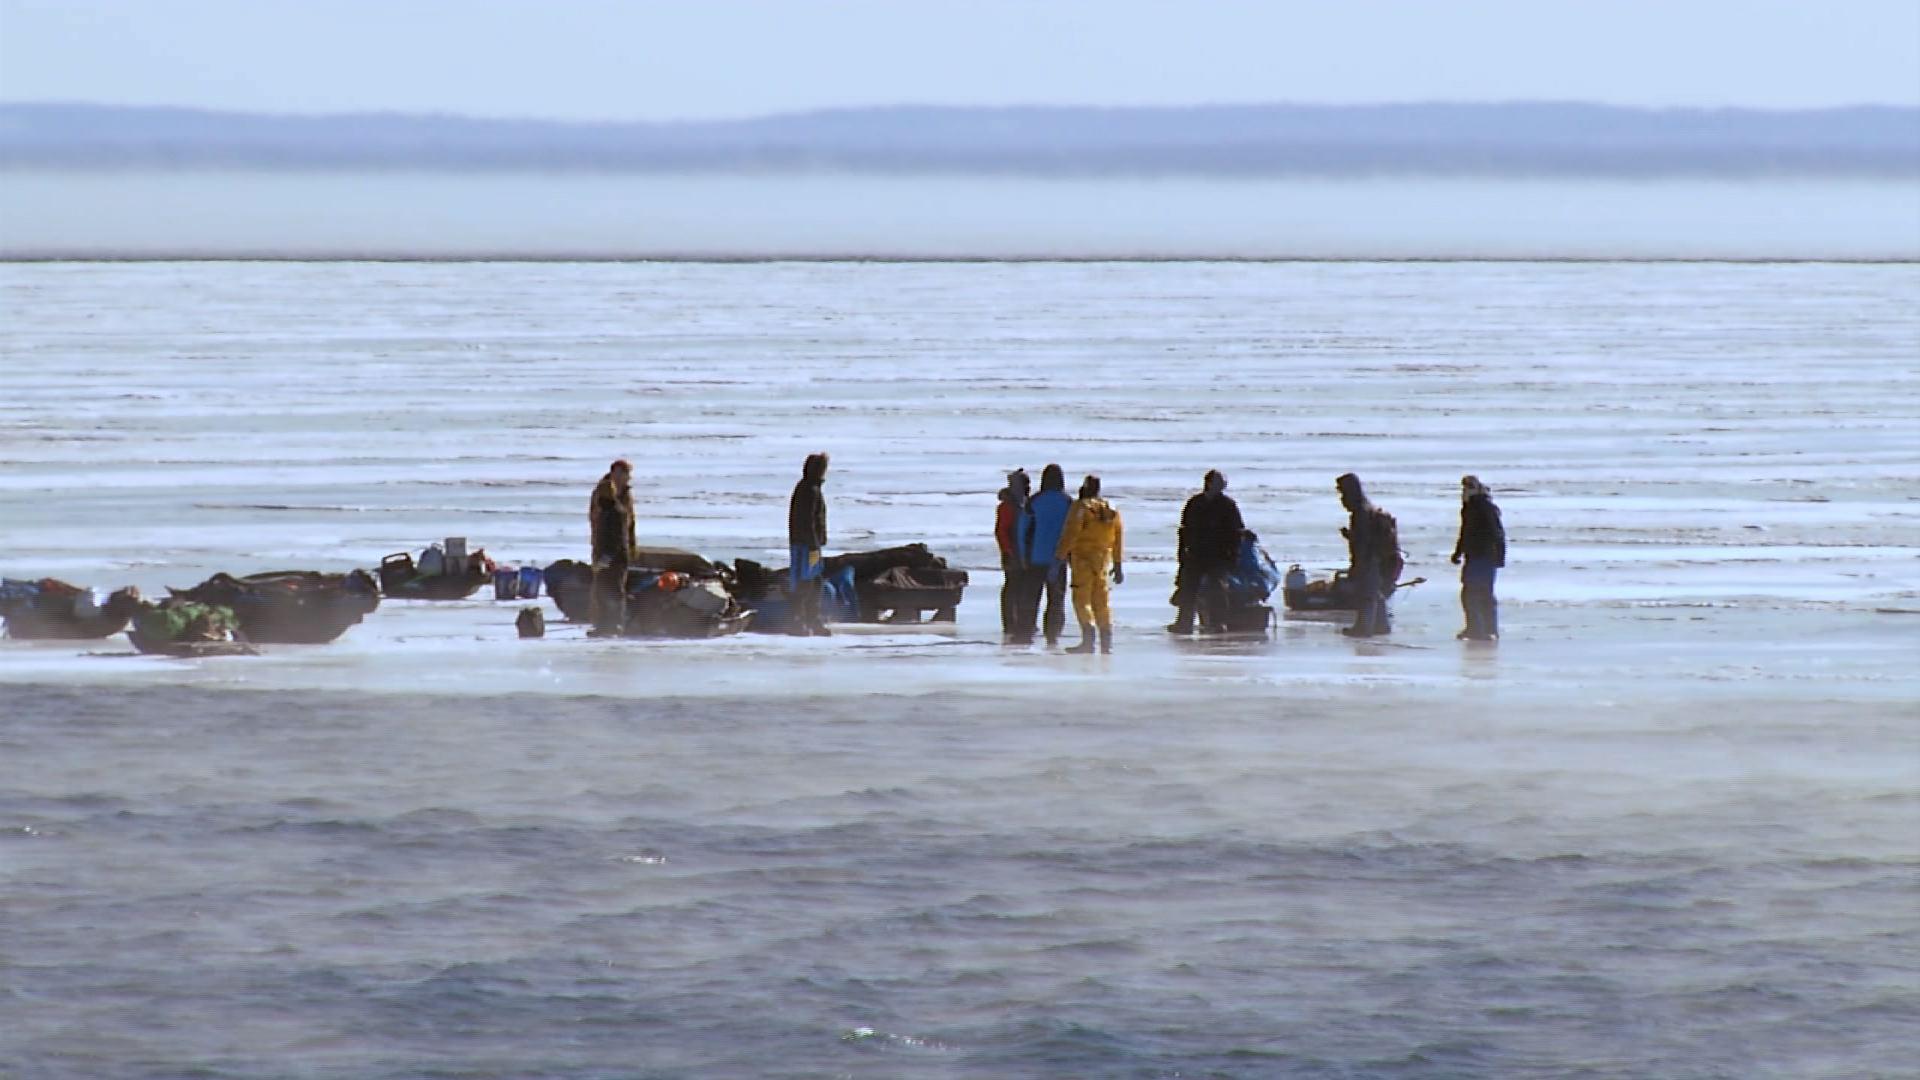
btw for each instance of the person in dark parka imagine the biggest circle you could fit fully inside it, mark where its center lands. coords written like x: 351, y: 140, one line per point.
x: 1483, y: 543
x: 1209, y: 548
x: 1046, y: 574
x: 1373, y: 546
x: 806, y: 536
x: 1007, y: 519
x: 610, y: 516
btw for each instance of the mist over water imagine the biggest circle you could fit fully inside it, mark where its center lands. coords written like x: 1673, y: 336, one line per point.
x: 398, y: 214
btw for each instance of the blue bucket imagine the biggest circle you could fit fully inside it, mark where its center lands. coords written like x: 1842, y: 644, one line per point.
x: 506, y: 583
x: 530, y: 583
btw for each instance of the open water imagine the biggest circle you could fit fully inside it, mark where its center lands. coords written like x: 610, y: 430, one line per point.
x: 1670, y: 826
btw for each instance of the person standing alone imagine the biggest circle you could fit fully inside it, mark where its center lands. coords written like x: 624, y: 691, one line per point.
x: 610, y: 516
x: 1483, y: 543
x: 806, y: 537
x: 1091, y: 543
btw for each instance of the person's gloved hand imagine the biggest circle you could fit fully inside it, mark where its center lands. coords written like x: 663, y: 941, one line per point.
x: 1454, y: 558
x: 1119, y: 575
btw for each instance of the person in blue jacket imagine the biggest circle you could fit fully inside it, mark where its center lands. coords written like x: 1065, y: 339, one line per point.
x: 1045, y: 575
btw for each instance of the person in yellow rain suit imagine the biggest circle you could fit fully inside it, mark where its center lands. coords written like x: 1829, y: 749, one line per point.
x: 1090, y: 542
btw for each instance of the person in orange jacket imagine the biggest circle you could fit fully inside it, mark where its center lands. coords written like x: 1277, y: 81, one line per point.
x: 1091, y: 544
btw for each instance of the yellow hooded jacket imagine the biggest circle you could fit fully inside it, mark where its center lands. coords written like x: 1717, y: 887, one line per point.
x: 1092, y: 533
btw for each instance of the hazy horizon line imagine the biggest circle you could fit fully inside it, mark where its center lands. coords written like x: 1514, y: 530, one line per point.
x: 33, y: 258
x: 925, y: 106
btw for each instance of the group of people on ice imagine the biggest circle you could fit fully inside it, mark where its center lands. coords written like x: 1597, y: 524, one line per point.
x: 1048, y: 541
x: 1054, y: 546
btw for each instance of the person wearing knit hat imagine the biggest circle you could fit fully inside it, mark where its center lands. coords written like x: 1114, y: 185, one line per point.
x: 1013, y: 563
x: 1483, y: 544
x: 1209, y: 546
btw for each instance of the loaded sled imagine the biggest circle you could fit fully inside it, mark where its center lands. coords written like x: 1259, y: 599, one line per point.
x: 1249, y: 585
x: 290, y: 607
x: 1320, y: 594
x: 443, y: 572
x: 52, y: 610
x: 186, y: 628
x: 898, y: 585
x: 669, y: 593
x: 1327, y: 594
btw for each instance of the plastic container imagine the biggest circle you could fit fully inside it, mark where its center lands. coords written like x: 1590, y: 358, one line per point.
x: 530, y: 580
x: 506, y: 583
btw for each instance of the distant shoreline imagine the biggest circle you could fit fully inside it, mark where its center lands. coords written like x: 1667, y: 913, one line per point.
x: 1512, y: 139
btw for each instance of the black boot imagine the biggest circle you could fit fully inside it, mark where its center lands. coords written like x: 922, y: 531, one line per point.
x: 1106, y: 639
x: 1086, y: 640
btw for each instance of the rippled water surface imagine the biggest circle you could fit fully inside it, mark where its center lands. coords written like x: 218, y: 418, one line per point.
x: 1667, y: 828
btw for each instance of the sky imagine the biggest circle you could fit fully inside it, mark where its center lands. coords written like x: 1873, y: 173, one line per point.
x: 704, y: 59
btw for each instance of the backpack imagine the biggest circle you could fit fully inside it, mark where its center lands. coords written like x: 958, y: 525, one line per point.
x: 1386, y: 535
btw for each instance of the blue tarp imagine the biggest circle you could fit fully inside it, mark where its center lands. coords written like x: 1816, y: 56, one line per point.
x: 1255, y: 577
x: 838, y: 603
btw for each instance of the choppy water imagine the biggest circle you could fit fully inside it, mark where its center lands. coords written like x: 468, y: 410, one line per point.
x: 1667, y: 828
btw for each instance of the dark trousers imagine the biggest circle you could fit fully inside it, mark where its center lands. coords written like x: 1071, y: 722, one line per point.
x: 805, y: 584
x: 1202, y: 588
x: 1370, y: 605
x: 1013, y: 589
x: 1477, y: 602
x: 1036, y: 582
x: 806, y: 605
x: 609, y: 608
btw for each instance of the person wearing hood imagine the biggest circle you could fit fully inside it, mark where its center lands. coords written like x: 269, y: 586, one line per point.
x: 610, y: 519
x: 1483, y: 543
x: 1013, y: 563
x: 1373, y: 545
x: 1046, y: 574
x: 1091, y: 543
x: 1209, y: 548
x: 806, y: 537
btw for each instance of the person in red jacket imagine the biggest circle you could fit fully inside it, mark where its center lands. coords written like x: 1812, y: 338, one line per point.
x: 1007, y: 519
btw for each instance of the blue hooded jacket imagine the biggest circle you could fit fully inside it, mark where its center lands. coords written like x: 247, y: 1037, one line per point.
x: 1046, y: 516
